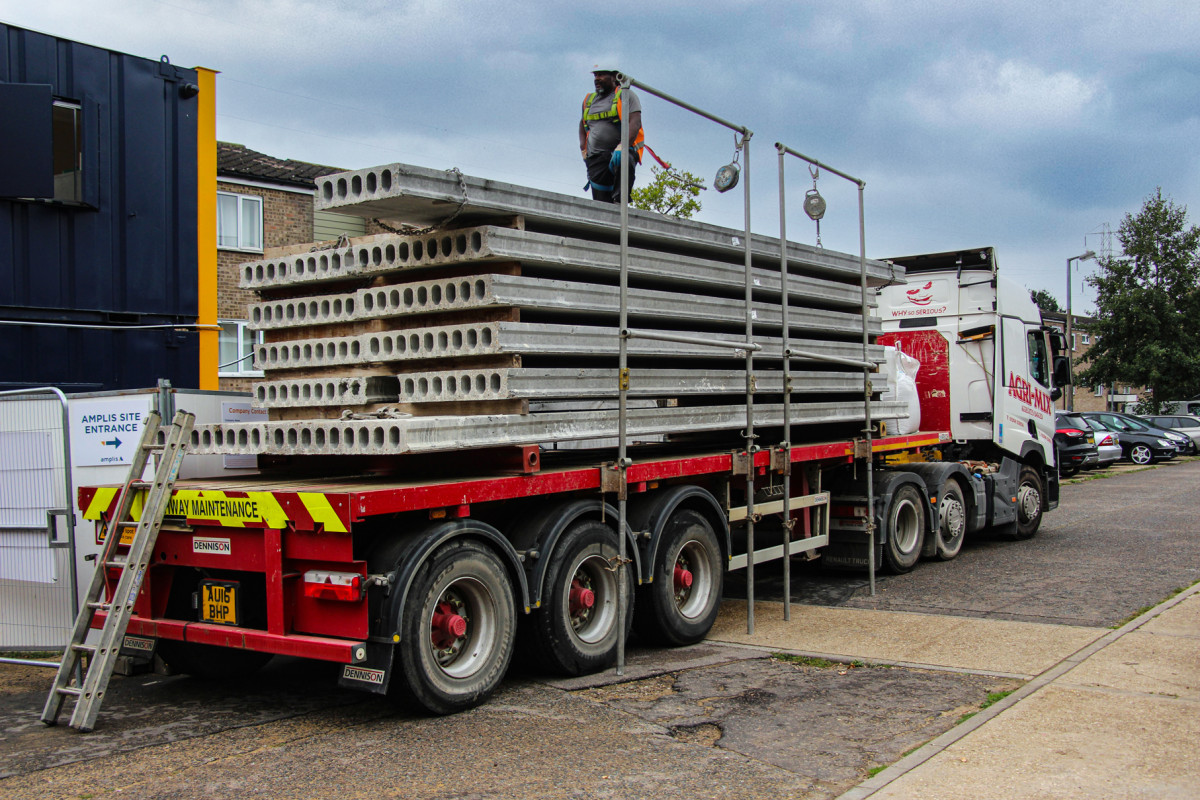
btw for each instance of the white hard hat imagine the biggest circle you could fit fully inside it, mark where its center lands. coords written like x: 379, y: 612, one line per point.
x: 604, y: 68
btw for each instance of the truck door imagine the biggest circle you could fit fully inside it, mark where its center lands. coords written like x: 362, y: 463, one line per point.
x: 1024, y: 410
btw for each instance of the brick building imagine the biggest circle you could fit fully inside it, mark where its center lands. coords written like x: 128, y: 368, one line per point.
x: 1088, y: 398
x: 264, y: 204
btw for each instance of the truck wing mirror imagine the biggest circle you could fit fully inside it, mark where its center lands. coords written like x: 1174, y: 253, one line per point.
x: 1055, y: 394
x: 1058, y: 341
x: 1062, y: 371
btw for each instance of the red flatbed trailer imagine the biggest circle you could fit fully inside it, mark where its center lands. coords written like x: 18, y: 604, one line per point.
x: 335, y: 569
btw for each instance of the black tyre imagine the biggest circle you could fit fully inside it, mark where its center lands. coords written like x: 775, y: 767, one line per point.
x: 458, y: 628
x: 1141, y: 454
x: 209, y: 661
x: 576, y: 628
x: 1029, y: 503
x: 952, y: 522
x: 905, y: 523
x: 680, y: 605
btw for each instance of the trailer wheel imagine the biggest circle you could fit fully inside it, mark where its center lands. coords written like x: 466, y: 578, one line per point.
x: 209, y: 661
x: 1029, y: 503
x: 952, y: 524
x: 458, y: 629
x: 681, y: 603
x: 905, y: 523
x: 576, y: 628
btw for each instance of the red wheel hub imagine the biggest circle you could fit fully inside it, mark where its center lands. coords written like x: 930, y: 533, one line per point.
x: 581, y: 598
x: 683, y: 578
x: 447, y: 626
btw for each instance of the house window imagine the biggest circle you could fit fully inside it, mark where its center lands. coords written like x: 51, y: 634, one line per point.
x: 1074, y: 341
x: 67, y: 151
x: 1087, y: 339
x: 236, y: 350
x: 239, y: 222
x: 1098, y: 390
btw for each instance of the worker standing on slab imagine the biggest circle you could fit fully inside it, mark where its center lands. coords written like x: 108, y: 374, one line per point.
x: 600, y: 134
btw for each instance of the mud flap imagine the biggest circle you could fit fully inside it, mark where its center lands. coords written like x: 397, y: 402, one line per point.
x: 372, y: 675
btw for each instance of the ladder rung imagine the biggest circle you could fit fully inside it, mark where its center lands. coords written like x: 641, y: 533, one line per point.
x: 69, y: 690
x: 84, y: 648
x: 114, y: 564
x: 154, y: 446
x: 140, y: 484
x: 97, y: 606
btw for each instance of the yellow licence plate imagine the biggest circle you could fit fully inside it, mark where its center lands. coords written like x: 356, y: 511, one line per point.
x: 219, y: 602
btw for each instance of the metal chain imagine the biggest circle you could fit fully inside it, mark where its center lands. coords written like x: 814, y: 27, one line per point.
x: 410, y: 231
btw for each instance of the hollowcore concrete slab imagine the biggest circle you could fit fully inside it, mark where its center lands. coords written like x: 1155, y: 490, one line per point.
x: 1068, y: 744
x: 993, y: 646
x: 423, y: 196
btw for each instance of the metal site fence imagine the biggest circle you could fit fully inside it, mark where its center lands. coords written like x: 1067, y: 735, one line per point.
x: 38, y: 580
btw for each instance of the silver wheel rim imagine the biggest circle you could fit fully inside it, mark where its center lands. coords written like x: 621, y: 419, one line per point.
x: 1029, y: 500
x: 593, y: 624
x: 1140, y: 454
x: 907, y: 526
x: 692, y: 601
x: 462, y: 656
x: 954, y: 519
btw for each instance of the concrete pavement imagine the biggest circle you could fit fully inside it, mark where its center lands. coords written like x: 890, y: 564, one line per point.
x: 1104, y: 714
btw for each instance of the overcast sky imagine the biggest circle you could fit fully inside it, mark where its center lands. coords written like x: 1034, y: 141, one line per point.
x: 1024, y: 125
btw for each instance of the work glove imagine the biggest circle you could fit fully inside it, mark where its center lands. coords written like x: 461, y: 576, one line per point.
x: 614, y: 163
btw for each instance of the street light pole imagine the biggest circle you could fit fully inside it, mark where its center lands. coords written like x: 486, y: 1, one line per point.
x: 1090, y: 254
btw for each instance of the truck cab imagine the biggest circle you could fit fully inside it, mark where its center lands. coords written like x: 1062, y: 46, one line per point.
x: 987, y: 366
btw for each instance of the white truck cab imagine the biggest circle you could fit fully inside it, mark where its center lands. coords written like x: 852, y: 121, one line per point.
x: 988, y: 368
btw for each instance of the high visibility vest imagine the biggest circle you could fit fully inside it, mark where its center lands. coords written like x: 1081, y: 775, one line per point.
x: 613, y: 113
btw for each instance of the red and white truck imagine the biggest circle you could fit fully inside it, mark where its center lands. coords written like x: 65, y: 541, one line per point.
x: 419, y: 576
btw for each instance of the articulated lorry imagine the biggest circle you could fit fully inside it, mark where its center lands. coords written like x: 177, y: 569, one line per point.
x: 468, y: 502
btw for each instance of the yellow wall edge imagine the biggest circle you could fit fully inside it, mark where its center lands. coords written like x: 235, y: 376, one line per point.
x: 206, y: 226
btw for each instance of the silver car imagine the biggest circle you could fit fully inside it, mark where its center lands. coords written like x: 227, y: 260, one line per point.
x: 1180, y: 423
x: 1108, y: 443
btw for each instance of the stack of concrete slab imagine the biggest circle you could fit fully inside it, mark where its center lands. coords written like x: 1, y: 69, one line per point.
x: 494, y: 321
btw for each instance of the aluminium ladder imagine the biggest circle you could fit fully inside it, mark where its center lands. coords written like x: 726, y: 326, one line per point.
x: 92, y: 681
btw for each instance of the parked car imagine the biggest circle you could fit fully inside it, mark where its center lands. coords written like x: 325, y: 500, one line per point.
x: 1074, y: 444
x: 1141, y: 443
x: 1180, y: 423
x: 1108, y: 443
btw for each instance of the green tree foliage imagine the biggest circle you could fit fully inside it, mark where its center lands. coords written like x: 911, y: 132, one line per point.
x: 671, y: 192
x: 1148, y: 306
x: 1045, y: 301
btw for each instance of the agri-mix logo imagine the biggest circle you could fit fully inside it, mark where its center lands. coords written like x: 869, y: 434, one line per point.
x: 1023, y: 390
x: 921, y: 296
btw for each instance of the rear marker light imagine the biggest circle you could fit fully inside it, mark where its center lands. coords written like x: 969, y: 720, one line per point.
x: 324, y: 585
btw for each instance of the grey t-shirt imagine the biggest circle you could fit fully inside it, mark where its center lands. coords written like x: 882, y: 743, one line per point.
x: 604, y: 134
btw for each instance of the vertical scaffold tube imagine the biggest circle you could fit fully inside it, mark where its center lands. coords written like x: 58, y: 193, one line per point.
x: 749, y: 396
x: 786, y: 445
x: 622, y: 398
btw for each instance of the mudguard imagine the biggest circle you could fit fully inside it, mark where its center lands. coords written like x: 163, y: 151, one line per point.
x: 407, y: 554
x: 648, y: 515
x: 538, y: 538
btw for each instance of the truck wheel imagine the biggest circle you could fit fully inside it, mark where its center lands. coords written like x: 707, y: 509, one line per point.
x: 952, y: 525
x: 681, y: 603
x: 905, y: 523
x: 1029, y: 503
x: 576, y: 628
x: 458, y: 628
x: 209, y: 661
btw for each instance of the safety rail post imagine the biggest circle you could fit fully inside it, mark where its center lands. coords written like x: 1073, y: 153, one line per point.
x: 68, y: 513
x: 865, y: 364
x: 626, y: 81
